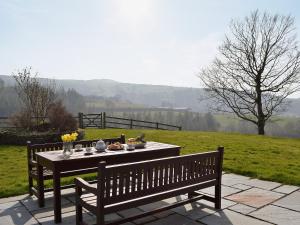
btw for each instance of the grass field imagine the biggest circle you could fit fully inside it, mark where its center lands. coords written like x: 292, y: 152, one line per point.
x: 269, y: 158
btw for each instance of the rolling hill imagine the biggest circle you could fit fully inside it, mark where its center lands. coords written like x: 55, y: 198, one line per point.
x: 144, y: 94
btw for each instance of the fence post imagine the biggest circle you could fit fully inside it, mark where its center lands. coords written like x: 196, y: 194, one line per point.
x: 101, y: 123
x: 104, y: 120
x: 157, y: 126
x: 80, y: 120
x: 131, y: 123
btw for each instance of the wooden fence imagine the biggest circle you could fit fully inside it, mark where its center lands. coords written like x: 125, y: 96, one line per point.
x: 5, y: 123
x: 103, y: 121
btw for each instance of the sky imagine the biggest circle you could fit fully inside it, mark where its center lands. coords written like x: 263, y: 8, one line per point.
x: 163, y: 42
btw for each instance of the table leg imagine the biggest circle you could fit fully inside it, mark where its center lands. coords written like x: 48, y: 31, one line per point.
x: 40, y: 186
x: 57, y: 196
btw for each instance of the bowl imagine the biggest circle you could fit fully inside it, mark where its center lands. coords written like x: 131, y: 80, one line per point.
x: 140, y: 145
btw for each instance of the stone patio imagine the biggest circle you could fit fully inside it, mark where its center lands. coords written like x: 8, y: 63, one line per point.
x: 245, y: 202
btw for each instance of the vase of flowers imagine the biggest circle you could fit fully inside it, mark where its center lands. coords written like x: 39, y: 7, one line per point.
x: 68, y: 143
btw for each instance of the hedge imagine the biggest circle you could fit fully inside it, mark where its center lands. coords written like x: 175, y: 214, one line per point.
x: 20, y: 137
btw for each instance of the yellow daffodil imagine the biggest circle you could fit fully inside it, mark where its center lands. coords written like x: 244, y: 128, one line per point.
x: 69, y: 137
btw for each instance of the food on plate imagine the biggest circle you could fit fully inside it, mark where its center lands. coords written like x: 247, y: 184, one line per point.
x: 132, y: 141
x: 137, y: 140
x: 115, y: 146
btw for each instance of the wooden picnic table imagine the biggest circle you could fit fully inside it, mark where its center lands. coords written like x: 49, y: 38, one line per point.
x: 54, y: 161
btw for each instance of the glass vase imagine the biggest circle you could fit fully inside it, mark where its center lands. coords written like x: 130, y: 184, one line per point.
x: 67, y: 149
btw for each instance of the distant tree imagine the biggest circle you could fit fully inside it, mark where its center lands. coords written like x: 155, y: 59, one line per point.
x: 72, y: 100
x: 35, y: 97
x: 1, y: 85
x: 212, y: 124
x: 9, y: 103
x: 257, y: 68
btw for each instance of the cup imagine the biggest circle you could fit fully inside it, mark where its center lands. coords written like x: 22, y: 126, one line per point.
x: 130, y: 147
x: 88, y: 149
x: 78, y: 147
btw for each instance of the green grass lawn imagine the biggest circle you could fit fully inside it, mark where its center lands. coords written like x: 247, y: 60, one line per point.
x: 269, y: 158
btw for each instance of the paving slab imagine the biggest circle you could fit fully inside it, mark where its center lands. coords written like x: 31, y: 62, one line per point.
x: 227, y: 217
x: 64, y: 193
x: 267, y: 185
x: 225, y: 190
x: 278, y: 215
x: 292, y: 201
x: 232, y: 179
x: 195, y: 210
x: 242, y: 186
x: 241, y: 208
x: 255, y: 197
x: 14, y: 198
x: 156, y: 205
x: 16, y: 216
x: 67, y: 219
x: 48, y: 211
x: 201, y: 208
x: 8, y: 205
x: 174, y: 219
x: 136, y: 211
x: 224, y: 203
x: 175, y: 199
x: 32, y: 204
x: 286, y: 189
x: 111, y: 217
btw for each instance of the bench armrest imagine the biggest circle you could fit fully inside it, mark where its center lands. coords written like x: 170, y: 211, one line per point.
x: 81, y: 183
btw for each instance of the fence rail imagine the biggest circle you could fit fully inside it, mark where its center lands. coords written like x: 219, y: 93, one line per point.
x: 103, y: 121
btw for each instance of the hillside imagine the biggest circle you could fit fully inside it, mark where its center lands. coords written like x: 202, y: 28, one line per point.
x: 269, y: 158
x: 148, y: 95
x: 144, y: 94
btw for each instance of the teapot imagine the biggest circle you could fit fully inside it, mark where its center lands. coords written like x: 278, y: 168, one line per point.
x: 100, y: 145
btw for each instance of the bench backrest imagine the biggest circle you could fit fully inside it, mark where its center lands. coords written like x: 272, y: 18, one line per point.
x: 133, y: 180
x: 33, y: 148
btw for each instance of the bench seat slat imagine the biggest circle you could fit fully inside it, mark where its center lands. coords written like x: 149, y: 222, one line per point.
x: 155, y: 197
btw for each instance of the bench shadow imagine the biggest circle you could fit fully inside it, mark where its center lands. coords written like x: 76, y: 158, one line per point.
x: 16, y: 214
x: 199, y: 211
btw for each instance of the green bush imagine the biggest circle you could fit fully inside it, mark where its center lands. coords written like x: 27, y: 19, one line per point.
x: 20, y: 137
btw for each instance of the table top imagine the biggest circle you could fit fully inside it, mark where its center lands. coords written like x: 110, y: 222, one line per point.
x: 55, y: 156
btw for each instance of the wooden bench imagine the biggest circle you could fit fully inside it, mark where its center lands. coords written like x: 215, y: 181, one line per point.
x: 130, y: 185
x: 47, y: 174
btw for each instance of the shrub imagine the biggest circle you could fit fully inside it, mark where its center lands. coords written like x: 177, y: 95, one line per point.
x: 60, y: 119
x: 22, y: 119
x: 20, y: 137
x: 81, y: 134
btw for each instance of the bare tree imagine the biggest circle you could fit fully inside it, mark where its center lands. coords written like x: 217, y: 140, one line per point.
x: 36, y: 98
x: 257, y: 68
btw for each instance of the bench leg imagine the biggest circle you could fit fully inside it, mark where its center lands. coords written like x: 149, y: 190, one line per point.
x: 218, y: 196
x: 100, y: 218
x: 78, y: 192
x: 57, y: 196
x: 30, y: 184
x: 78, y: 214
x: 40, y: 186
